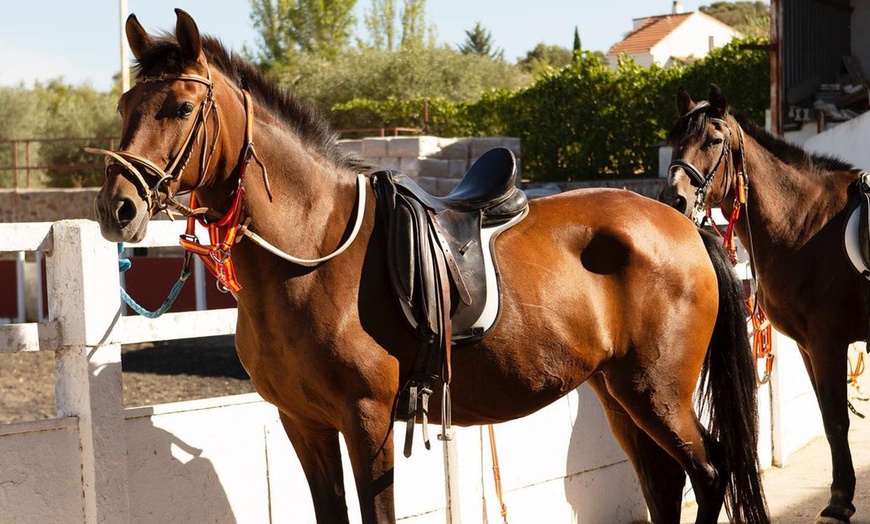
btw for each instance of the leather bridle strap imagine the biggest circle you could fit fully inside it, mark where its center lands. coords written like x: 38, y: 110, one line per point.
x: 223, y: 233
x: 129, y: 161
x: 702, y: 180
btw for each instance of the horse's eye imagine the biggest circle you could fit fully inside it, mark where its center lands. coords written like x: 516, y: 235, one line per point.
x: 712, y: 142
x: 185, y: 109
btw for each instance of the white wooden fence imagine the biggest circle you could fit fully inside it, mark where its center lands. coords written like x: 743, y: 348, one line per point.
x: 227, y: 459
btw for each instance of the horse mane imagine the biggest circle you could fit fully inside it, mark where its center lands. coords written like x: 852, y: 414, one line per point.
x: 692, y: 127
x: 310, y: 125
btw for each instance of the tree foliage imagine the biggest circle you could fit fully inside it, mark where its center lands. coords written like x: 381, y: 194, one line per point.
x: 61, y: 111
x: 287, y: 27
x: 381, y: 23
x: 415, y: 28
x: 545, y: 56
x: 750, y: 18
x: 479, y: 41
x: 406, y: 75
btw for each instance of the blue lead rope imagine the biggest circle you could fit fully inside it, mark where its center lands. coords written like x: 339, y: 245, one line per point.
x: 124, y: 264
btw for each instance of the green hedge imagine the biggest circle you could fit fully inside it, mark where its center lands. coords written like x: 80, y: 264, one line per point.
x: 584, y: 121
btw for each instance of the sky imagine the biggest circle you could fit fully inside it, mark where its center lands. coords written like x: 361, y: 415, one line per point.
x: 79, y: 40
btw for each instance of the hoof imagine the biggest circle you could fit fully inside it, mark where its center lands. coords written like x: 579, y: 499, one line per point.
x: 835, y: 515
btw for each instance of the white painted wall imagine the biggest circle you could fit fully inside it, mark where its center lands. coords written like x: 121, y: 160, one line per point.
x: 848, y: 141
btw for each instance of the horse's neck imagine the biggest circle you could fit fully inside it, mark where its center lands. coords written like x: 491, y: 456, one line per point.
x: 312, y: 199
x: 786, y: 206
x: 299, y: 212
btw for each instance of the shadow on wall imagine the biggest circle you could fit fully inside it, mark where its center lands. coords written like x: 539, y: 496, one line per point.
x: 170, y: 480
x: 598, y: 482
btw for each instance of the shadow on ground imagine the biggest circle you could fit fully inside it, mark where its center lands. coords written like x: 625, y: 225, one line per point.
x: 204, y: 357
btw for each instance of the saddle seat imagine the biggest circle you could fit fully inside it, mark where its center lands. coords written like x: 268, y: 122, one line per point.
x: 488, y: 186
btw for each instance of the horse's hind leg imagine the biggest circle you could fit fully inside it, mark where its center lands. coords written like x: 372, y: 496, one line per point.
x: 320, y: 455
x: 661, y: 477
x: 661, y: 404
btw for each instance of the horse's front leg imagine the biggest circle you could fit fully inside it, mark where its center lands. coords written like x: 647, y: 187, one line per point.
x: 828, y: 362
x: 369, y: 441
x: 320, y: 455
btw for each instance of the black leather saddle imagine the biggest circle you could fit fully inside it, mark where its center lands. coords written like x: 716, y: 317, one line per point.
x: 422, y: 228
x: 438, y: 252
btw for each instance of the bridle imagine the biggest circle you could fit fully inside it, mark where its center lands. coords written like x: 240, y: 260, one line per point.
x: 226, y: 231
x: 702, y: 181
x: 159, y: 195
x: 735, y: 163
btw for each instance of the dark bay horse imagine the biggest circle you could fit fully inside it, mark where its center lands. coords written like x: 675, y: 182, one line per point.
x: 792, y: 225
x: 603, y: 286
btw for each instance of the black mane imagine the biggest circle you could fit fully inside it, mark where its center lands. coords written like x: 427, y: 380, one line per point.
x: 314, y: 129
x: 693, y: 126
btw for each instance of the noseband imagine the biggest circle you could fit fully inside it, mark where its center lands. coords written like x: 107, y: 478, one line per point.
x: 159, y: 195
x: 702, y: 180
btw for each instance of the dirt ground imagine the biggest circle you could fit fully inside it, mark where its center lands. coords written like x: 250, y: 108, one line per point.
x: 153, y: 373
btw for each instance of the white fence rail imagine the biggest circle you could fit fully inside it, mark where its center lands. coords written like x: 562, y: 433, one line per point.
x: 227, y: 460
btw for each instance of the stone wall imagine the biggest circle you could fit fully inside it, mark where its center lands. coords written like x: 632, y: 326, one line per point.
x: 46, y: 205
x: 438, y: 164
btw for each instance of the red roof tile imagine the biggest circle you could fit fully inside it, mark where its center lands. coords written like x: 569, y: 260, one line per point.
x: 653, y: 30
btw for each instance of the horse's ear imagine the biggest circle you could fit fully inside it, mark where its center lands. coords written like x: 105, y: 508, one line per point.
x: 684, y: 101
x: 718, y: 100
x: 137, y: 37
x: 188, y: 35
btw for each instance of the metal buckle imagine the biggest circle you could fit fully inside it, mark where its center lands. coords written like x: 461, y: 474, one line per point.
x: 219, y: 255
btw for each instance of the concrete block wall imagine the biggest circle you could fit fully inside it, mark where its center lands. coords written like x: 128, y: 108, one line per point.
x: 46, y: 205
x: 437, y: 164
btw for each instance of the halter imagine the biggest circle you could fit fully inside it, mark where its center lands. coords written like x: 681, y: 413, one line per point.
x: 699, y: 180
x: 159, y: 194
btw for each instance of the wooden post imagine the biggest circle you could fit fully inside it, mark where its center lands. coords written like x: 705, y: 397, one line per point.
x: 82, y: 278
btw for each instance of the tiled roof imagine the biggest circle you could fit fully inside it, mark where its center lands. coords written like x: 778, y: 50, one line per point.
x: 653, y: 30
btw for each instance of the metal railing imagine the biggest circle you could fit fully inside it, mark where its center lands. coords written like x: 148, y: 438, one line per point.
x: 23, y: 157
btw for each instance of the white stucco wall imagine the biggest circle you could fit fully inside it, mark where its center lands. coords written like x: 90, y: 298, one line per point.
x: 847, y: 141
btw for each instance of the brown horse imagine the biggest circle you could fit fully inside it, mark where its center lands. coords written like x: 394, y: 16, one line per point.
x: 601, y: 285
x: 792, y: 226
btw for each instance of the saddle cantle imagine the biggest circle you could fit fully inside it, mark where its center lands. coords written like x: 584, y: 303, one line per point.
x: 442, y: 269
x: 856, y: 239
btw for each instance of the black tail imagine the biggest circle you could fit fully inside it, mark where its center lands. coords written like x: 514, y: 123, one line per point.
x: 729, y: 392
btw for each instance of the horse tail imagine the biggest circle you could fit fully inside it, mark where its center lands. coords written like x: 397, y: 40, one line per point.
x: 728, y: 393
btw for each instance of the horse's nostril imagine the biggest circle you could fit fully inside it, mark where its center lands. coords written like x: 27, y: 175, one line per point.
x: 125, y: 211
